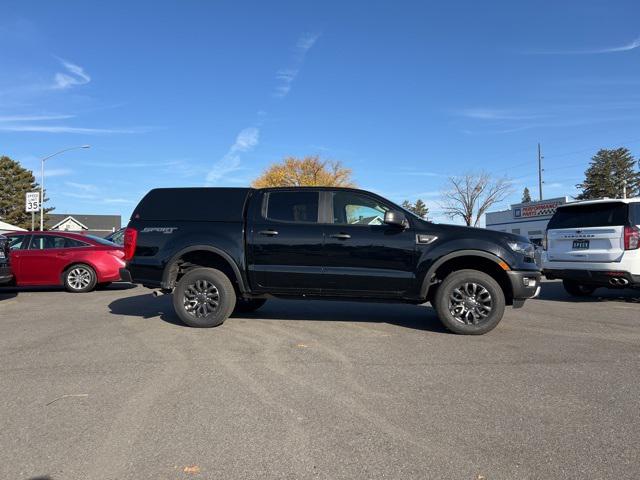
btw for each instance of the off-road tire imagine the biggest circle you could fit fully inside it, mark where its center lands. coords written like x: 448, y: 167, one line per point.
x: 486, y: 289
x: 196, y: 293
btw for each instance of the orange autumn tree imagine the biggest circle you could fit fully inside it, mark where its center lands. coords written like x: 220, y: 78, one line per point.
x: 305, y: 172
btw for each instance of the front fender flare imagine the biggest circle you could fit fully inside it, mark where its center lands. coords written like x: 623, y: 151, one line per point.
x: 426, y: 282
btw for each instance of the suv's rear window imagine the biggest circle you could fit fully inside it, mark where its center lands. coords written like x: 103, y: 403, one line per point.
x: 591, y: 215
x: 634, y: 213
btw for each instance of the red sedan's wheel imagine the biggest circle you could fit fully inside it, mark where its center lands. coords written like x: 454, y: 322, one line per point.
x: 80, y: 278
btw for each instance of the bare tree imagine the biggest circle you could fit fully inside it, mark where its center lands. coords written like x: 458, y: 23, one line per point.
x: 470, y: 195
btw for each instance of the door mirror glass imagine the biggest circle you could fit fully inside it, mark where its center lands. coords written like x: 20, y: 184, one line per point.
x: 395, y: 218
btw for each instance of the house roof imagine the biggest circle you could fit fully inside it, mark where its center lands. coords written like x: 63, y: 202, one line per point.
x: 7, y: 227
x: 69, y: 217
x: 91, y: 222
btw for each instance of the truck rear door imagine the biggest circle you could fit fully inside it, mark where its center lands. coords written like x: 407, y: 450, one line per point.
x: 284, y: 242
x: 592, y: 232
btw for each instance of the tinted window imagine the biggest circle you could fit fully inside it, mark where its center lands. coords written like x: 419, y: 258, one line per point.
x: 593, y: 215
x: 101, y: 241
x: 46, y: 242
x: 293, y: 206
x: 351, y: 208
x: 18, y: 242
x: 117, y: 237
x: 634, y: 213
x: 193, y: 204
x: 71, y: 243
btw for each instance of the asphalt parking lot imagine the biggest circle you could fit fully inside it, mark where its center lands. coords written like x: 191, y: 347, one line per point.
x: 109, y: 385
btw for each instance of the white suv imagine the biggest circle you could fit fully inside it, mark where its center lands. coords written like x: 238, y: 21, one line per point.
x: 594, y: 244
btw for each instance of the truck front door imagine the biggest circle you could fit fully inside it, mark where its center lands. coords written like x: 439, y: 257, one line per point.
x: 362, y: 255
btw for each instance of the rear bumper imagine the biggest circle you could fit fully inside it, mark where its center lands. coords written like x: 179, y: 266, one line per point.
x: 524, y: 284
x: 604, y: 278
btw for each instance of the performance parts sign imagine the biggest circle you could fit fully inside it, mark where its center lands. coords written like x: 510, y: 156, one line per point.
x: 538, y: 209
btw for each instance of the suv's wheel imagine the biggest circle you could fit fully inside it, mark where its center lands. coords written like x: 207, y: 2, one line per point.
x: 577, y: 289
x: 80, y: 278
x: 249, y: 305
x: 204, y: 297
x: 469, y: 302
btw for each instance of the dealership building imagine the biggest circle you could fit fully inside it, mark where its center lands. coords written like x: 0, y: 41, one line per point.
x: 529, y: 219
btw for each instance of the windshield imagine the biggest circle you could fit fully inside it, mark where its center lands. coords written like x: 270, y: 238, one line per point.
x: 590, y: 215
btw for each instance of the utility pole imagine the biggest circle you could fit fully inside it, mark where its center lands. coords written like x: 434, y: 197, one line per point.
x: 540, y: 170
x: 624, y: 188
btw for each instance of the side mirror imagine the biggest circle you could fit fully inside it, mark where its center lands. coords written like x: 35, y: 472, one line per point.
x: 395, y: 218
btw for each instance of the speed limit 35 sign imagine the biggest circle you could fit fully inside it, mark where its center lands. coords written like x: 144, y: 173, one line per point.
x: 32, y: 203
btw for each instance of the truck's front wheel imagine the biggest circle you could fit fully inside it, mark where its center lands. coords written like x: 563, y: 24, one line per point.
x: 204, y: 297
x: 469, y: 302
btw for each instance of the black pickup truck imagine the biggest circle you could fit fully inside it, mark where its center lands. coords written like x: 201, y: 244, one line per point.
x: 220, y: 249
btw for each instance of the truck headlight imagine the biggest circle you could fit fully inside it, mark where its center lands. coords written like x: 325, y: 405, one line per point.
x: 525, y: 248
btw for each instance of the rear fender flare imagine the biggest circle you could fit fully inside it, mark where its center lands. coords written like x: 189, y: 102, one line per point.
x: 236, y: 270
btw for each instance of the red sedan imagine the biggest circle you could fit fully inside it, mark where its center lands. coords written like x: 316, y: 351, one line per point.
x: 78, y: 262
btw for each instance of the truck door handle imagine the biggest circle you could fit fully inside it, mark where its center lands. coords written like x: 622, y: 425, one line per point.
x: 341, y: 236
x: 268, y: 233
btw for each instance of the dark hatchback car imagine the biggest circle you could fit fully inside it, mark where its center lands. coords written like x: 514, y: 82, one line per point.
x: 5, y: 269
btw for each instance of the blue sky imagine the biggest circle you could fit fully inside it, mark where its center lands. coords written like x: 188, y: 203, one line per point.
x: 184, y: 93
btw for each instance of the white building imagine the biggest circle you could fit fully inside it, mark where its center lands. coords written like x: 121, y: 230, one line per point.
x: 529, y: 219
x: 7, y: 227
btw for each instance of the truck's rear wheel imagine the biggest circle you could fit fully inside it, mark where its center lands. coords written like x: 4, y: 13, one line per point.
x: 577, y: 289
x: 204, y: 297
x: 249, y: 305
x: 469, y: 302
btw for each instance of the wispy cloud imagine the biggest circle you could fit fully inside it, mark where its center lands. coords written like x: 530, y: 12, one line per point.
x: 55, y: 172
x: 495, y: 114
x: 594, y: 51
x: 74, y: 75
x: 81, y: 196
x: 85, y: 187
x: 33, y: 118
x: 246, y: 141
x: 560, y: 123
x: 69, y: 129
x: 286, y: 76
x: 122, y: 201
x: 127, y: 164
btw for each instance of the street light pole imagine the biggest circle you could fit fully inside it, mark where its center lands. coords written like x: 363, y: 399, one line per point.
x: 42, y: 179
